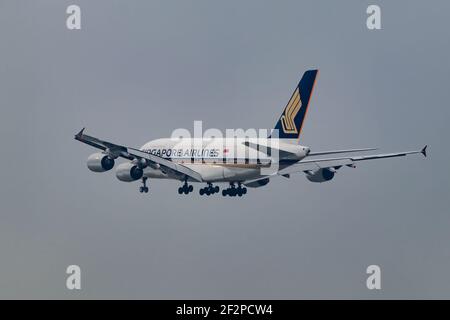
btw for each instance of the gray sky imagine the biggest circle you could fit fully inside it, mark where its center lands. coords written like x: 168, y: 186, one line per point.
x: 139, y: 69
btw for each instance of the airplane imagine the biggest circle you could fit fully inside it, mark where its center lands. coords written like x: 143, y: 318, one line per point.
x: 215, y: 160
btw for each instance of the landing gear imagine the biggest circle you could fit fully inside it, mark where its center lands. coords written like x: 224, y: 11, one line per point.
x: 186, y: 188
x: 143, y: 188
x: 232, y: 191
x: 210, y: 189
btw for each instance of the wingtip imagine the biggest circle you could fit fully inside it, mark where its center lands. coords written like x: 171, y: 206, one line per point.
x: 424, y: 151
x: 79, y: 134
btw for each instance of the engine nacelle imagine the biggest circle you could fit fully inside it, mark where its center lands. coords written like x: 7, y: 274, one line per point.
x: 321, y: 175
x: 100, y: 162
x: 129, y: 172
x: 257, y: 183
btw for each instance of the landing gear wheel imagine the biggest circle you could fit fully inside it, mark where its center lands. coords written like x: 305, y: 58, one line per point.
x: 143, y: 188
x: 209, y: 189
x: 234, y: 191
x: 185, y: 188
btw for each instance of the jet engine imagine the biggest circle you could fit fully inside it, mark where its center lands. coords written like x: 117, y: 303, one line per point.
x: 257, y: 183
x: 321, y: 175
x: 100, y: 162
x: 129, y: 172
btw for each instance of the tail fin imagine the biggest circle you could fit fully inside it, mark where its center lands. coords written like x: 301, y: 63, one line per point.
x: 291, y: 121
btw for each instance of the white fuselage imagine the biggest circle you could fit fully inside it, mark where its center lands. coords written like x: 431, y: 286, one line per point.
x: 224, y: 159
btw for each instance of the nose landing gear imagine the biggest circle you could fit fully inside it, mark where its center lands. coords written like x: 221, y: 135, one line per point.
x: 210, y: 189
x: 232, y: 191
x: 186, y: 188
x: 143, y: 188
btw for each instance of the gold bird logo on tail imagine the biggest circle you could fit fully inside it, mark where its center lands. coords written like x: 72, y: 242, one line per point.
x: 288, y: 118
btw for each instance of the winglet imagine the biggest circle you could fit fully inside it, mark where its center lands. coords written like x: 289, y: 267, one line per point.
x: 79, y: 134
x: 424, y: 151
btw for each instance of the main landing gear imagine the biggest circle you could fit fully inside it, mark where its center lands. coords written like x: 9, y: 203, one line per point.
x: 232, y: 191
x: 209, y: 189
x: 186, y: 188
x: 144, y: 187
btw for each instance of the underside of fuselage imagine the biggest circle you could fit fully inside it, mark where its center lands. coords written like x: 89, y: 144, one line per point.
x: 221, y: 172
x: 213, y: 172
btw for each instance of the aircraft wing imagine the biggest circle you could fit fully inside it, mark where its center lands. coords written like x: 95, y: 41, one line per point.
x: 116, y: 150
x: 314, y: 164
x: 321, y: 153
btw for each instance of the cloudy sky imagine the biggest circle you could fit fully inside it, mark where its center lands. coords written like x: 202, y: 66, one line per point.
x: 139, y: 69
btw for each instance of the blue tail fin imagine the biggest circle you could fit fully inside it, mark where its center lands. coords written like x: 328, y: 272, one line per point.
x: 291, y: 121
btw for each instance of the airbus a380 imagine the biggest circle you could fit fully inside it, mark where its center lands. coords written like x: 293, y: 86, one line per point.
x: 239, y: 162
